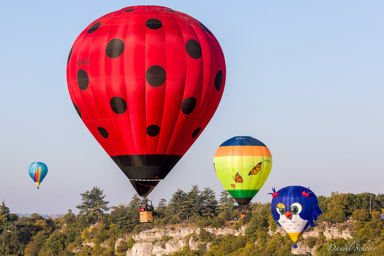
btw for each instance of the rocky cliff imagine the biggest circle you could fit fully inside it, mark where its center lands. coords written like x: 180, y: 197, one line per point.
x: 173, y: 238
x: 160, y: 241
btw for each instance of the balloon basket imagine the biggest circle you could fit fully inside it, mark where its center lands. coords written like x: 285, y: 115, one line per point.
x: 146, y: 212
x: 146, y: 216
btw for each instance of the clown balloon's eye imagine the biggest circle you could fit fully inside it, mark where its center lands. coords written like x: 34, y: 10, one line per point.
x: 280, y: 208
x: 296, y: 208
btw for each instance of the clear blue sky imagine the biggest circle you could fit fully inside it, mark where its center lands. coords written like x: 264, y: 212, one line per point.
x: 304, y: 77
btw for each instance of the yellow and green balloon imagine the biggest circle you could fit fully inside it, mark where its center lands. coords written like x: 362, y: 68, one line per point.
x: 242, y: 165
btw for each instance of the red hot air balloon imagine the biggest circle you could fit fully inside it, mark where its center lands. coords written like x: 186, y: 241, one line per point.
x: 146, y: 80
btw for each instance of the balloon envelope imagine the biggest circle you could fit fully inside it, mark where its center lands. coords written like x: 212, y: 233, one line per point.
x: 37, y: 171
x: 146, y: 80
x: 295, y: 208
x: 242, y: 165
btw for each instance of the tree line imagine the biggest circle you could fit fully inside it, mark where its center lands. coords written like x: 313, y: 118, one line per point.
x: 101, y: 225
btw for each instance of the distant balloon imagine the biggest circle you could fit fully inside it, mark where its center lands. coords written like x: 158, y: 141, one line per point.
x: 146, y: 80
x: 242, y: 165
x: 295, y: 208
x: 37, y: 171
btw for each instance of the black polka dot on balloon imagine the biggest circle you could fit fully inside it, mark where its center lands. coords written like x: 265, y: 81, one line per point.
x: 94, y: 27
x: 155, y: 76
x: 77, y: 109
x: 118, y: 105
x: 218, y: 80
x: 205, y: 28
x: 188, y: 105
x: 196, y: 132
x: 153, y: 24
x: 69, y: 56
x: 103, y: 132
x: 129, y: 10
x: 115, y: 48
x: 82, y: 79
x: 193, y: 48
x: 153, y: 130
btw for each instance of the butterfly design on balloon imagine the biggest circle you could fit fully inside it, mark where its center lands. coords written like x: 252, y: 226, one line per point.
x: 238, y: 178
x: 255, y: 170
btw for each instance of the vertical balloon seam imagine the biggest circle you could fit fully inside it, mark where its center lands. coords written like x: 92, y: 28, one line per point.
x: 232, y: 167
x: 145, y: 84
x: 121, y: 58
x: 135, y: 142
x: 204, y: 101
x: 165, y: 90
x: 107, y: 86
x: 256, y: 158
x: 174, y: 17
x: 38, y: 174
x: 199, y: 93
x: 41, y: 174
x: 264, y: 173
x: 266, y: 152
x: 72, y: 87
x: 207, y: 115
x: 173, y: 137
x: 254, y: 182
x: 126, y: 35
x: 197, y: 90
x: 258, y: 151
x: 93, y: 124
x: 241, y: 158
x: 217, y: 66
x: 90, y: 114
x: 206, y: 83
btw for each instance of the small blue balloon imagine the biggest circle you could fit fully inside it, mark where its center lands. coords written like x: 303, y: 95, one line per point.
x: 38, y: 171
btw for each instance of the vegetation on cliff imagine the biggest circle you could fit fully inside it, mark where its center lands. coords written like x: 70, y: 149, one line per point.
x: 97, y: 227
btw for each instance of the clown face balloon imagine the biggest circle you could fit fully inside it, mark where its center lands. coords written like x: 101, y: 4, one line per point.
x: 294, y: 208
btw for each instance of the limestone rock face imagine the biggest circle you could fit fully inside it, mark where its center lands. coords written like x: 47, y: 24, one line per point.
x: 172, y: 239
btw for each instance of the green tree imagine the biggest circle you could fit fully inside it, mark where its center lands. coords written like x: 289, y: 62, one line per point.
x: 54, y: 244
x: 209, y: 203
x: 16, y: 237
x: 190, y: 206
x: 93, y: 206
x: 32, y: 249
x: 124, y: 218
x: 4, y: 210
x: 336, y: 208
x: 174, y: 206
x: 361, y: 214
x: 226, y: 204
x: 161, y: 209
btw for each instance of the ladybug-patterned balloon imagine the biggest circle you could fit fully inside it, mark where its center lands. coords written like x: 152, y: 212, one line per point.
x: 146, y: 80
